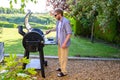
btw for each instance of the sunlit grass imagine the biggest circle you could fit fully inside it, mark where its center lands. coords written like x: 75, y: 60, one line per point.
x: 12, y: 40
x: 84, y: 47
x: 79, y: 46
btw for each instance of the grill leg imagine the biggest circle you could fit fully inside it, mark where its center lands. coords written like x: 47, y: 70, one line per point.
x: 42, y: 62
x: 26, y: 54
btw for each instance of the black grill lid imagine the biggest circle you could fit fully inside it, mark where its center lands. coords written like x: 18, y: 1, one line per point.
x: 33, y: 38
x: 37, y: 30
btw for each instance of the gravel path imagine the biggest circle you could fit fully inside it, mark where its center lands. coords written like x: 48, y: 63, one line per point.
x: 84, y: 70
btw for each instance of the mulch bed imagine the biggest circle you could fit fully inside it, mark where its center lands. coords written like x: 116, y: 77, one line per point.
x: 83, y: 70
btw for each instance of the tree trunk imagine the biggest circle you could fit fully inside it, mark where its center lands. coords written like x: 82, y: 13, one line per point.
x: 92, y: 33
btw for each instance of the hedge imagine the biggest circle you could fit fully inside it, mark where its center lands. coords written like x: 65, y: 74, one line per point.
x: 110, y: 32
x: 8, y: 25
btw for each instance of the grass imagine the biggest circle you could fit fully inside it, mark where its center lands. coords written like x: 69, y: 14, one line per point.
x: 79, y: 46
x: 84, y: 47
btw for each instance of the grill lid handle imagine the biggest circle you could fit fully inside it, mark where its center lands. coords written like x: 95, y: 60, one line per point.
x: 20, y: 30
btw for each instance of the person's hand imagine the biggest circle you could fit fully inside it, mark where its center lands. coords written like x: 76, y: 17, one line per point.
x: 64, y: 45
x: 47, y: 32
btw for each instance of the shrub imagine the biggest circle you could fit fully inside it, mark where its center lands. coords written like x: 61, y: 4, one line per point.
x: 117, y: 39
x: 77, y: 27
x: 107, y: 34
x: 13, y: 69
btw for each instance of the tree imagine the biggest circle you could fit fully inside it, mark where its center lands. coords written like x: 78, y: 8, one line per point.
x: 107, y: 9
x: 53, y: 4
x: 57, y: 4
x: 94, y: 14
x: 23, y: 3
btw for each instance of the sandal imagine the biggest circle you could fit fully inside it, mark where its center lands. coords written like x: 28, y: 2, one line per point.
x: 61, y: 74
x: 58, y: 69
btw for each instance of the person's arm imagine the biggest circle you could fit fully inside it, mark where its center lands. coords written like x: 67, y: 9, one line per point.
x: 69, y: 34
x: 64, y: 45
x: 51, y: 30
x: 54, y: 29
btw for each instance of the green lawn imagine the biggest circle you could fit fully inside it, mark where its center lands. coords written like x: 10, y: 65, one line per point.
x: 79, y: 46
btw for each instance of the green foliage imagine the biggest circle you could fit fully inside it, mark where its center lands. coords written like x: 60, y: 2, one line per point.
x: 8, y: 25
x: 9, y: 11
x: 14, y: 71
x: 78, y: 28
x: 108, y: 9
x: 84, y: 16
x: 117, y: 39
x: 42, y: 21
x: 107, y: 12
x: 109, y: 34
x: 23, y: 3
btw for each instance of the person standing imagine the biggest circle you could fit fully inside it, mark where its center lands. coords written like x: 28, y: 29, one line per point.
x: 63, y: 35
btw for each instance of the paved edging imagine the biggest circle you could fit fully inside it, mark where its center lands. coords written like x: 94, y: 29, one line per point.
x: 77, y: 58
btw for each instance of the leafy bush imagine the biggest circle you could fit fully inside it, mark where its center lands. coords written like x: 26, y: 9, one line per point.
x: 12, y: 70
x: 117, y: 40
x: 77, y: 28
x: 107, y: 12
x: 107, y: 34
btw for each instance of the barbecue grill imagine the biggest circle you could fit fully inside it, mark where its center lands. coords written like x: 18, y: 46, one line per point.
x: 33, y: 41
